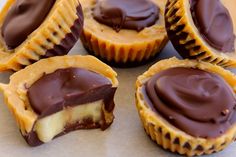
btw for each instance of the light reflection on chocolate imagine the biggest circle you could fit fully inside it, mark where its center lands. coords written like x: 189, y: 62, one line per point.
x: 214, y: 23
x: 197, y: 102
x: 126, y: 14
x: 23, y: 18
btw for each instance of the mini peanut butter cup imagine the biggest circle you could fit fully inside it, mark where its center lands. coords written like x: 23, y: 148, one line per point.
x: 32, y: 29
x: 187, y: 106
x: 59, y: 95
x: 124, y: 33
x: 203, y: 30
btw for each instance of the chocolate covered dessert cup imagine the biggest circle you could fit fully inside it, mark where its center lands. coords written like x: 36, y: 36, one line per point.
x: 188, y: 107
x: 203, y: 29
x: 60, y: 94
x: 33, y: 29
x: 124, y: 33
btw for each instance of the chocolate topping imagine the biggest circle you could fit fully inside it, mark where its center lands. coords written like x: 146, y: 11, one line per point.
x: 69, y: 87
x: 214, y: 23
x: 128, y: 14
x: 23, y: 18
x: 195, y: 101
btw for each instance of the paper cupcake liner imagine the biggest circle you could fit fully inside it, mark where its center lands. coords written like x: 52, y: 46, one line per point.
x: 122, y: 55
x: 15, y: 93
x: 56, y: 36
x: 165, y: 134
x: 186, y: 40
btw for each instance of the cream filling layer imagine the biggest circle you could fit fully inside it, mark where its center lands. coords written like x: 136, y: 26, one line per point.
x: 49, y: 127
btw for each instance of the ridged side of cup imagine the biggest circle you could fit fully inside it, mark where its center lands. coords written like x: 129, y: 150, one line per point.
x: 170, y: 137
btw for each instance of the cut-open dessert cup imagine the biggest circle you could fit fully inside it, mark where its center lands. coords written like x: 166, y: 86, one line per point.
x: 60, y: 94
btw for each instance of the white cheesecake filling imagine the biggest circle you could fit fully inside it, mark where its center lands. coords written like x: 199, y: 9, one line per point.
x: 47, y: 128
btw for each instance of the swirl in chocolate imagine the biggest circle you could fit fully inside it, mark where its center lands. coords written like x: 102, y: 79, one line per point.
x: 68, y: 88
x: 126, y: 14
x: 197, y: 102
x: 23, y: 18
x: 214, y: 23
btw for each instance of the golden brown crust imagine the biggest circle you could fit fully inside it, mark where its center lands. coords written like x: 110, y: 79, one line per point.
x: 60, y: 19
x: 127, y: 46
x: 159, y: 129
x: 15, y: 93
x: 186, y: 38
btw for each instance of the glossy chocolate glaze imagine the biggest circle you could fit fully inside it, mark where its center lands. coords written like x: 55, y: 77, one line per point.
x: 23, y: 18
x: 214, y: 23
x: 69, y: 87
x: 197, y: 102
x: 126, y: 14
